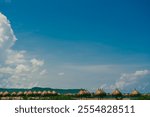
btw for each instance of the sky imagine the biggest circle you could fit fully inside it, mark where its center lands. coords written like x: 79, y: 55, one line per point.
x: 75, y: 44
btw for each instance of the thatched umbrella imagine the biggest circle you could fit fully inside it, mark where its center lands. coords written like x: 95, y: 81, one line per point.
x: 1, y: 93
x: 29, y: 93
x: 39, y: 93
x: 135, y: 93
x: 20, y: 93
x: 35, y: 93
x: 100, y: 93
x: 6, y: 93
x: 25, y: 93
x: 83, y: 93
x: 44, y: 93
x: 117, y: 94
x: 49, y: 92
x: 54, y: 93
x: 13, y: 94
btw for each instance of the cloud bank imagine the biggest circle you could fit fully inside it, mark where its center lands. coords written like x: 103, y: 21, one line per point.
x: 17, y: 69
x: 132, y: 80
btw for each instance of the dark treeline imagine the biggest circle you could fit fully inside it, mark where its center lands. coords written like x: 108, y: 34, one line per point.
x: 62, y: 91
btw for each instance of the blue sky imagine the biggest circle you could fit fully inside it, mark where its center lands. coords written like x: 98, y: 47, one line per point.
x: 88, y: 43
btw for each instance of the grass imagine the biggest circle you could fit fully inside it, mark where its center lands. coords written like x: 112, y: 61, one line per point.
x: 141, y: 98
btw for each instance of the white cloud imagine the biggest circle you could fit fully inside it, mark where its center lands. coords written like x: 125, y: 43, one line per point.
x: 7, y: 37
x: 36, y: 62
x: 15, y: 57
x: 16, y: 68
x: 129, y: 80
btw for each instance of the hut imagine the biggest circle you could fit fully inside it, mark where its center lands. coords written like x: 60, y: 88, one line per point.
x: 1, y: 93
x: 49, y: 93
x: 35, y: 93
x: 39, y: 93
x: 44, y: 93
x: 135, y: 93
x: 117, y: 94
x: 13, y: 94
x: 5, y: 94
x: 100, y: 93
x: 20, y: 93
x: 25, y: 93
x: 83, y: 93
x: 29, y: 93
x: 54, y: 93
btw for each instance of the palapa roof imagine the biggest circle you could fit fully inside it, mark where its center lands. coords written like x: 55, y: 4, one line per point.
x: 39, y: 92
x: 1, y: 93
x: 34, y: 92
x: 5, y: 93
x: 20, y: 93
x: 83, y: 92
x: 54, y: 92
x: 29, y: 93
x: 44, y: 93
x: 100, y: 92
x: 25, y: 92
x: 116, y: 92
x: 135, y: 93
x: 13, y: 93
x: 49, y: 92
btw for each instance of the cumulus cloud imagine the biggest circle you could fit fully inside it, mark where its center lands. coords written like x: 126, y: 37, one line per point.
x: 130, y: 80
x: 16, y: 68
x: 7, y: 37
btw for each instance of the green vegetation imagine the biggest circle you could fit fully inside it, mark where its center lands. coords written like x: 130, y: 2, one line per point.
x: 62, y: 91
x: 71, y: 94
x: 141, y: 98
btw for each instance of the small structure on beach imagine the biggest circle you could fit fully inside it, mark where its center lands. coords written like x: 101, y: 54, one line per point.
x: 13, y: 94
x: 117, y: 94
x: 83, y: 93
x: 20, y: 93
x: 100, y: 93
x: 135, y: 93
x: 5, y: 94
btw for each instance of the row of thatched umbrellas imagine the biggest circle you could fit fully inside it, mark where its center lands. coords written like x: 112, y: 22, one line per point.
x: 101, y: 92
x: 83, y: 92
x: 28, y: 93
